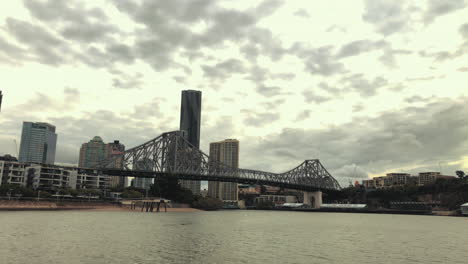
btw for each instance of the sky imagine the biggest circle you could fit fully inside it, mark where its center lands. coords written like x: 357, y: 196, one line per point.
x: 368, y: 87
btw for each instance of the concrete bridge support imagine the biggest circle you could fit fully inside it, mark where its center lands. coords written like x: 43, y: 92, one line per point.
x: 314, y: 199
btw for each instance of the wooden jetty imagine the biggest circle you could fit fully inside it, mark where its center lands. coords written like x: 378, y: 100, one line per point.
x: 148, y: 205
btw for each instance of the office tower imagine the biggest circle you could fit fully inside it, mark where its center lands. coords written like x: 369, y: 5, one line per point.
x: 190, y: 118
x: 115, y: 151
x: 38, y: 143
x: 226, y: 152
x: 92, y: 153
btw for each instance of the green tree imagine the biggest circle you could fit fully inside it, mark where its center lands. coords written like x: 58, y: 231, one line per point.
x: 207, y: 203
x: 460, y: 174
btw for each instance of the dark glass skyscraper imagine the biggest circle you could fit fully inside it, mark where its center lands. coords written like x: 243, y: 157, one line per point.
x: 190, y: 115
x: 190, y: 119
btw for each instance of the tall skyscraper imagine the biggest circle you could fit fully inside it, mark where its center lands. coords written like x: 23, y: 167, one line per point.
x: 1, y: 97
x: 226, y: 152
x: 190, y: 119
x: 38, y: 143
x: 92, y: 153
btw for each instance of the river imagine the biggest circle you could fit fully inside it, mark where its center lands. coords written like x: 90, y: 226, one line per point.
x: 74, y: 237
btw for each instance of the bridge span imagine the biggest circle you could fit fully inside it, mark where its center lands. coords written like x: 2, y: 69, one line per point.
x: 171, y: 155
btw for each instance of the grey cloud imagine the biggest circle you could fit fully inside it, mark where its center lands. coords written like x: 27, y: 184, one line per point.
x: 417, y: 99
x: 268, y: 91
x: 388, y: 16
x: 148, y: 110
x: 364, y: 87
x: 442, y: 56
x: 259, y: 119
x: 438, y: 8
x: 389, y: 54
x: 302, y: 13
x: 223, y: 70
x: 311, y: 97
x: 358, y: 108
x: 126, y: 81
x: 73, y: 21
x: 427, y: 78
x: 464, y: 30
x: 303, y: 115
x: 273, y: 105
x: 360, y: 46
x: 48, y: 48
x: 463, y: 69
x: 413, y: 136
x: 318, y: 61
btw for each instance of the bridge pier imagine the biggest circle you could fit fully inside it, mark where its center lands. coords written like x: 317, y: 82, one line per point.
x: 314, y: 199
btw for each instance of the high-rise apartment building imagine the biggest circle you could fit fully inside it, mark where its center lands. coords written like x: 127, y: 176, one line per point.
x: 38, y: 143
x: 92, y: 153
x: 95, y: 151
x: 226, y: 152
x: 190, y: 119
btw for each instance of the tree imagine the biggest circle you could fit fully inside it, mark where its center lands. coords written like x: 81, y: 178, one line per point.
x: 460, y: 174
x: 131, y: 194
x: 207, y: 203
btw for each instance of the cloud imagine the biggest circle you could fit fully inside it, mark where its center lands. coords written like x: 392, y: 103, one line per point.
x: 463, y: 69
x: 223, y: 70
x: 438, y: 8
x: 318, y: 61
x: 311, y: 97
x: 303, y: 115
x: 409, y: 137
x: 259, y: 119
x: 302, y: 13
x: 269, y: 91
x: 387, y: 16
x: 73, y: 21
x: 464, y: 30
x: 44, y: 46
x: 359, y: 46
x: 359, y: 84
x: 126, y: 81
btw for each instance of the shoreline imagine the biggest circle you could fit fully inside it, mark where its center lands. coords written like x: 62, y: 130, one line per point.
x: 76, y: 206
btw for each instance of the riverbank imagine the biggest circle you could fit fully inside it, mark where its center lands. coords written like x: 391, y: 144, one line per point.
x: 86, y: 206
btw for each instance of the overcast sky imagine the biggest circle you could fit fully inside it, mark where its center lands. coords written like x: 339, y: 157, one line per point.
x: 368, y: 87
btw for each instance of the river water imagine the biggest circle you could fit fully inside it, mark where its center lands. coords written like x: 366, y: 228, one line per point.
x: 74, y: 237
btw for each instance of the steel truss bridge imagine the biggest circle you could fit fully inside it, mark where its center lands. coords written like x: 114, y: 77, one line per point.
x: 171, y: 155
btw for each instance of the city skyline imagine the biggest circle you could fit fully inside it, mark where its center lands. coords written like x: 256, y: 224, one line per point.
x: 364, y: 94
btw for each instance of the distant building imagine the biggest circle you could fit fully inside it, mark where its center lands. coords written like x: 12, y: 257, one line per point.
x: 276, y: 199
x: 38, y: 143
x: 402, y: 179
x: 115, y: 150
x: 96, y: 151
x: 249, y: 189
x: 11, y: 171
x: 144, y: 183
x: 92, y: 153
x: 1, y: 98
x: 190, y: 120
x: 226, y: 152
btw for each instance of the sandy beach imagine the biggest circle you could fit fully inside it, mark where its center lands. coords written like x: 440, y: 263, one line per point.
x: 7, y: 205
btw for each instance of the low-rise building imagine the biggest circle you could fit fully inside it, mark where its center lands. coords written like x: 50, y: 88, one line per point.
x: 402, y: 179
x: 12, y: 171
x: 50, y: 177
x: 276, y: 199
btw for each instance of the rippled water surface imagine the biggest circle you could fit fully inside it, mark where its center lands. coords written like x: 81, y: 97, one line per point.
x: 230, y: 237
